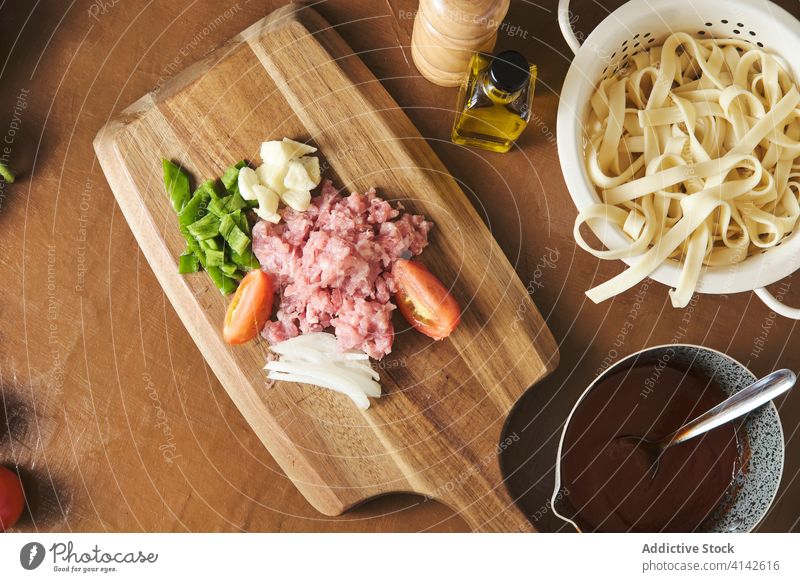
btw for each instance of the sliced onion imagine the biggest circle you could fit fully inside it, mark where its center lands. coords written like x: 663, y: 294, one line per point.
x: 356, y: 396
x: 329, y: 372
x: 315, y: 359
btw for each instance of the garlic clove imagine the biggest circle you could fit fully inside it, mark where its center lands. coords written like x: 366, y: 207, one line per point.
x: 278, y: 153
x: 247, y: 179
x: 268, y: 201
x: 297, y: 148
x: 297, y: 177
x: 298, y: 200
x: 274, y: 218
x: 272, y: 176
x: 311, y: 164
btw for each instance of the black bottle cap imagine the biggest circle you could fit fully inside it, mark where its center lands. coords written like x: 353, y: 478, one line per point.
x: 509, y: 71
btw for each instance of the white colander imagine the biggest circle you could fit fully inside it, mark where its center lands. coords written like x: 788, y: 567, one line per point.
x: 640, y: 24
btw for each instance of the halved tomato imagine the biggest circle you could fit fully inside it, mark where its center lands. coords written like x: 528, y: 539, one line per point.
x: 424, y: 301
x: 249, y: 309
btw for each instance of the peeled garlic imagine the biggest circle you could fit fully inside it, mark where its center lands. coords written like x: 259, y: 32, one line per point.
x: 278, y: 153
x: 298, y: 200
x: 288, y: 174
x: 268, y: 202
x: 247, y: 179
x: 311, y: 164
x: 297, y: 177
x: 298, y: 149
x: 272, y: 176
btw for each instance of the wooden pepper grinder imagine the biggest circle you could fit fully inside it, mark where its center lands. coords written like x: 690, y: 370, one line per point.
x: 448, y: 32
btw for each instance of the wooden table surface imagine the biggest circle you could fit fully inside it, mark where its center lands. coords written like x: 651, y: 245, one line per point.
x: 114, y: 418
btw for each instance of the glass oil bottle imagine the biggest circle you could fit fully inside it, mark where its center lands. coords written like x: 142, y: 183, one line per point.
x: 494, y: 102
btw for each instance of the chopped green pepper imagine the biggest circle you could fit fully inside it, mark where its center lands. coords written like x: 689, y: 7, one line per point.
x: 233, y: 235
x: 188, y: 263
x: 194, y: 209
x: 241, y: 221
x: 229, y: 268
x: 177, y: 184
x: 205, y: 228
x: 246, y: 260
x: 215, y: 258
x: 228, y: 204
x: 213, y: 222
x: 209, y: 187
x: 225, y: 284
x: 238, y: 241
x: 210, y: 244
x: 230, y: 179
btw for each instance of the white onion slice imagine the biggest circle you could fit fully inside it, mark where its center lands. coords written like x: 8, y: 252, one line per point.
x: 315, y: 359
x: 326, y: 372
x: 359, y: 398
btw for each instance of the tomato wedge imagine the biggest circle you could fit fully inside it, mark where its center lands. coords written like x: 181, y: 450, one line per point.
x: 424, y: 301
x: 249, y: 309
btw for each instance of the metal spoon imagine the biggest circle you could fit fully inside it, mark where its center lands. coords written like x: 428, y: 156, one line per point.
x: 758, y: 393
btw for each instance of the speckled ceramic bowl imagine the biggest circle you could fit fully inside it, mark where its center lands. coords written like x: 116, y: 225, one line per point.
x: 760, y: 440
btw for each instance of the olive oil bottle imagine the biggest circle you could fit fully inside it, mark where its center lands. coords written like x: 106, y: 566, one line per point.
x: 494, y: 102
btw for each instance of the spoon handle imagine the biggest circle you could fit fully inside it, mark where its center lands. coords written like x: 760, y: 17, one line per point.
x: 758, y: 393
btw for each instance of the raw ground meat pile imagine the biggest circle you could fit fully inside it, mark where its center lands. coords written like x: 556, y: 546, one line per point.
x: 332, y: 265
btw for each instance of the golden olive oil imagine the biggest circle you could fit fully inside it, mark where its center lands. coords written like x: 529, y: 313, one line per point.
x: 494, y: 102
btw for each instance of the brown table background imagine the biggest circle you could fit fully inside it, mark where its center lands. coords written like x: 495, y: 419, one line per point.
x: 114, y: 418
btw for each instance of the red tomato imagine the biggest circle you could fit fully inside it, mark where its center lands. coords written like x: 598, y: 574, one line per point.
x: 249, y: 309
x: 424, y: 301
x: 12, y: 501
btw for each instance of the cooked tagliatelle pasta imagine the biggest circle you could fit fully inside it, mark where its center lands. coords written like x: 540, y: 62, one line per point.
x: 694, y: 152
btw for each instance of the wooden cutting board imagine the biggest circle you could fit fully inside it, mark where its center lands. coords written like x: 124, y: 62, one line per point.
x: 437, y: 429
